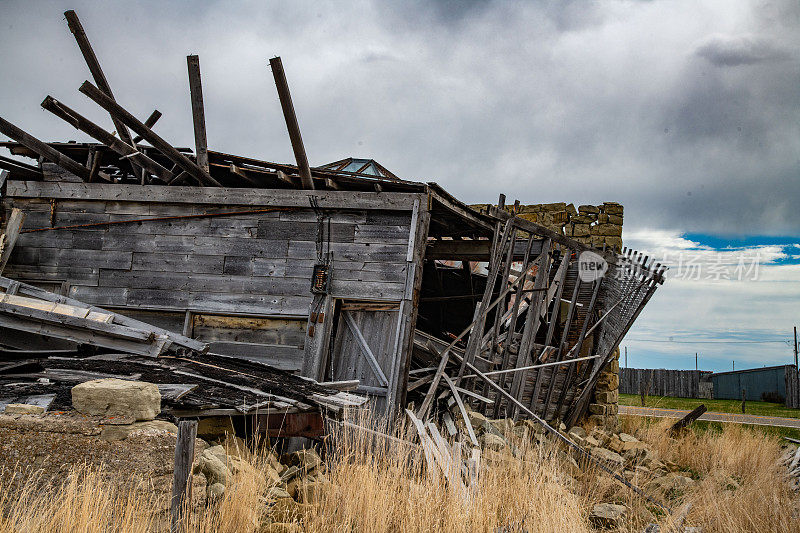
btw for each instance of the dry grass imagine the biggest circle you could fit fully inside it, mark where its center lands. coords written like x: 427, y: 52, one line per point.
x: 385, y: 488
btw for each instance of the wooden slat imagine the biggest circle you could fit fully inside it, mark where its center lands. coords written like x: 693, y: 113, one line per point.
x: 464, y: 414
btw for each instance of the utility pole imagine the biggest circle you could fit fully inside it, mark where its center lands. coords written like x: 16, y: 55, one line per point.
x: 695, y: 361
x: 795, y: 351
x: 795, y: 348
x: 734, y: 365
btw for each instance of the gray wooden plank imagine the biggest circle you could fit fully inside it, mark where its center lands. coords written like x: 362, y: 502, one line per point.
x: 214, y: 195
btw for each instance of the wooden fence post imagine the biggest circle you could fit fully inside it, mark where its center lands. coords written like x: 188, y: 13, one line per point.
x: 182, y: 475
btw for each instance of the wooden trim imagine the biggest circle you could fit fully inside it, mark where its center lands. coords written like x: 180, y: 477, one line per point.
x: 212, y: 195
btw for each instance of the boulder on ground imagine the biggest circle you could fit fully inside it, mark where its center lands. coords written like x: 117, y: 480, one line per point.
x: 607, y: 515
x: 493, y: 442
x: 214, y: 468
x: 216, y: 491
x: 117, y: 397
x: 305, y: 460
x: 577, y: 432
x: 150, y: 428
x: 607, y: 456
x: 23, y: 409
x: 311, y: 491
x: 671, y: 485
x: 276, y: 493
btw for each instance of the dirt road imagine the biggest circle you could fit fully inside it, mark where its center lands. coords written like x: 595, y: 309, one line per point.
x: 713, y: 416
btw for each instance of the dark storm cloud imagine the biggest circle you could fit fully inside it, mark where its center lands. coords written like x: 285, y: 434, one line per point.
x: 544, y: 101
x: 734, y: 50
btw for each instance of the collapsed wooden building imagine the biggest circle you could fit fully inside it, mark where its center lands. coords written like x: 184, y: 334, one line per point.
x: 337, y: 273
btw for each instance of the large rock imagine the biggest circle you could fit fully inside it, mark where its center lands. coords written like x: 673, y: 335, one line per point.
x: 306, y: 459
x: 607, y: 515
x: 117, y: 398
x: 214, y: 467
x: 607, y: 456
x: 493, y: 442
x: 672, y: 485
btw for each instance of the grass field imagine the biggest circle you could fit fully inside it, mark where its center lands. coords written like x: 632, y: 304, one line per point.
x: 719, y: 406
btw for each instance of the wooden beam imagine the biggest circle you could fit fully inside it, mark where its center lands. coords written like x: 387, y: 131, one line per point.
x: 9, y: 237
x: 474, y: 249
x: 21, y: 170
x: 45, y: 151
x: 158, y: 143
x: 182, y: 475
x: 211, y: 195
x: 291, y: 122
x: 93, y: 130
x: 198, y: 112
x: 150, y: 122
x: 76, y: 28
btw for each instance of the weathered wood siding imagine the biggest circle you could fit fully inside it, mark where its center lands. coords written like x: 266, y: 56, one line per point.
x: 257, y: 264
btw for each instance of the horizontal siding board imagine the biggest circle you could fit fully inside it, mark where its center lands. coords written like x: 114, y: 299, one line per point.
x: 305, y: 231
x: 181, y: 281
x: 188, y: 263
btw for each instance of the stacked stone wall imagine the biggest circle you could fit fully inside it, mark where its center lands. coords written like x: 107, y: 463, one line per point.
x: 594, y: 225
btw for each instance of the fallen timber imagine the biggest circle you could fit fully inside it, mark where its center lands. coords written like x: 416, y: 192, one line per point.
x: 242, y: 278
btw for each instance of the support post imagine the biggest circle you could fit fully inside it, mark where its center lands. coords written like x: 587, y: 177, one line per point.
x: 291, y: 122
x: 198, y: 112
x: 182, y: 475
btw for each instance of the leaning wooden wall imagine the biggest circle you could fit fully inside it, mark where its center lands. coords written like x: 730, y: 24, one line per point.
x: 242, y: 280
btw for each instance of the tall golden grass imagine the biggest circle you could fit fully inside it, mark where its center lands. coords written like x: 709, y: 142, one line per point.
x: 376, y: 485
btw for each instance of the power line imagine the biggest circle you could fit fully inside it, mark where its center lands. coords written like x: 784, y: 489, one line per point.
x: 703, y: 342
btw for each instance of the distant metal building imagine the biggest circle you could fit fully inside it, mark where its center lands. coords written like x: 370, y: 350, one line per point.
x: 758, y: 383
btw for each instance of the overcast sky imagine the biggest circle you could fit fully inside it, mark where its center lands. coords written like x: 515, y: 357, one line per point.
x: 686, y: 112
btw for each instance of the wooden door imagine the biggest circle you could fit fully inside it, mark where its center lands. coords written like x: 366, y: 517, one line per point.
x: 366, y: 348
